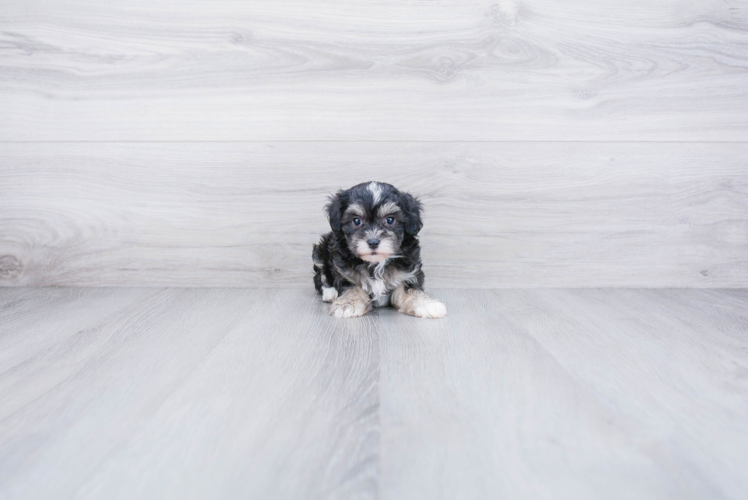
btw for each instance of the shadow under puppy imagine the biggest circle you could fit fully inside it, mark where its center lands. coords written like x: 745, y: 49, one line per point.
x: 372, y: 257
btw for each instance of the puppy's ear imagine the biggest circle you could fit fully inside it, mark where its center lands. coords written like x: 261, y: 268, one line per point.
x: 335, y: 210
x: 412, y: 208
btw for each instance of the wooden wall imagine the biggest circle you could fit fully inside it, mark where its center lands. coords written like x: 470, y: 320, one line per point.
x: 194, y: 143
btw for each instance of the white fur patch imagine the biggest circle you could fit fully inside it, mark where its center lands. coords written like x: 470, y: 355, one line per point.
x: 429, y: 308
x: 329, y: 294
x: 375, y: 285
x: 376, y: 191
x: 354, y: 302
x: 374, y: 259
x: 417, y: 303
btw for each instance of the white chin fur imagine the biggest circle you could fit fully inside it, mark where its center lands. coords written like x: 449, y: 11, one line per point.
x: 374, y: 258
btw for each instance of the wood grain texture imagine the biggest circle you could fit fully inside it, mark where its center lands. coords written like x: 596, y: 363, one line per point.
x: 236, y: 393
x: 83, y: 70
x: 567, y: 394
x: 497, y: 214
x: 184, y: 393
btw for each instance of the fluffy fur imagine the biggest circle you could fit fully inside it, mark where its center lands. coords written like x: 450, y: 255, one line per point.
x: 372, y: 258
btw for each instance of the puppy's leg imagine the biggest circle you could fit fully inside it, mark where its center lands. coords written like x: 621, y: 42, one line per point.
x: 322, y: 275
x: 417, y: 303
x: 353, y: 302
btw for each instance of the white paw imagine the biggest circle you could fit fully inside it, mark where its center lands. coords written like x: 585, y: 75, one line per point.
x: 329, y: 294
x: 348, y: 309
x: 431, y: 308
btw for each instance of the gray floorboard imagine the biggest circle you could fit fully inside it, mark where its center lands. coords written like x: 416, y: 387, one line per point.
x: 256, y: 393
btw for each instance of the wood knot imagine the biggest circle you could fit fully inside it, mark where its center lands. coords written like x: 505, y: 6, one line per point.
x: 241, y: 37
x: 447, y: 69
x: 10, y: 267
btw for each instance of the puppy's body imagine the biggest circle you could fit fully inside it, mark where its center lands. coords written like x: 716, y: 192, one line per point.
x: 337, y: 268
x: 372, y: 256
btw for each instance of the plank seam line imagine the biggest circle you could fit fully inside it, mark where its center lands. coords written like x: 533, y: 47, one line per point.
x: 375, y: 142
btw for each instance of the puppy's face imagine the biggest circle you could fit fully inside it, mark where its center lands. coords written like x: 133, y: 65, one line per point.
x: 374, y: 218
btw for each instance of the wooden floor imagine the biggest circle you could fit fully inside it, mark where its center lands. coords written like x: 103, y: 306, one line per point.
x: 256, y: 393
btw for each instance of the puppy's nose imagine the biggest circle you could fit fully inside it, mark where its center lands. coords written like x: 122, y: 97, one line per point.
x: 373, y: 243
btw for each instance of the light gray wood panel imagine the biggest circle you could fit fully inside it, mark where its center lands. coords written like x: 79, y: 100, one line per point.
x: 61, y: 323
x: 567, y: 394
x: 690, y: 351
x: 236, y: 393
x: 497, y: 214
x: 185, y: 393
x: 373, y: 70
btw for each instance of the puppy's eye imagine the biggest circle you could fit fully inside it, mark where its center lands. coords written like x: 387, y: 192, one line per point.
x: 389, y: 221
x: 356, y: 222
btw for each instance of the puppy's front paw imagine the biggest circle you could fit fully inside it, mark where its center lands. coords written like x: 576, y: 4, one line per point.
x: 417, y: 303
x: 346, y: 307
x: 430, y: 308
x: 329, y: 294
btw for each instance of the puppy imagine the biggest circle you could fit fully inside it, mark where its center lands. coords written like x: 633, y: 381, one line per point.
x: 372, y: 257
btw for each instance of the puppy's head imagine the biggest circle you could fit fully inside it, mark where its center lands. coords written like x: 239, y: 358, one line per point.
x: 375, y: 218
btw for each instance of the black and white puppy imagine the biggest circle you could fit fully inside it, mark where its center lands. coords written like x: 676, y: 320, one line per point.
x: 372, y: 257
